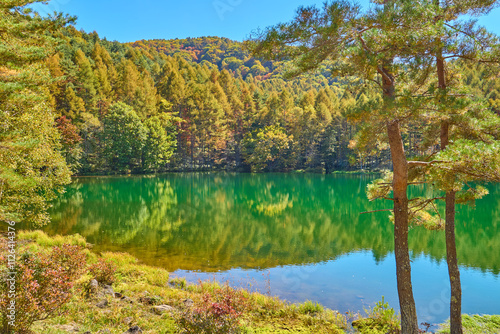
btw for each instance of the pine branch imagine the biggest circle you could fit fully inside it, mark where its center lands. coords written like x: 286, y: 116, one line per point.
x: 461, y: 31
x: 422, y: 205
x: 437, y: 211
x: 473, y: 173
x: 426, y: 163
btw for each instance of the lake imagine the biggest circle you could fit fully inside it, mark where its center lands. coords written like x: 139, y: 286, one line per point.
x: 297, y: 236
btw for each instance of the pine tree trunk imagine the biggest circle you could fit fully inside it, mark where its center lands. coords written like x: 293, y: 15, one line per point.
x: 451, y: 247
x: 453, y: 271
x: 409, y: 323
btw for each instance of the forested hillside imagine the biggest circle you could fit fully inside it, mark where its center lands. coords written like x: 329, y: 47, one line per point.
x: 230, y: 55
x: 205, y: 104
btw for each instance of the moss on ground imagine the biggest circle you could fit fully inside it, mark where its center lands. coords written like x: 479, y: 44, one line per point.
x: 477, y: 324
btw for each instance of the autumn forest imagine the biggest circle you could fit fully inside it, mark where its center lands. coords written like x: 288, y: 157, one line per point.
x: 207, y: 104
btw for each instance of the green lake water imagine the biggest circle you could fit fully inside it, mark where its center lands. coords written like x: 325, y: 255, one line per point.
x: 297, y: 236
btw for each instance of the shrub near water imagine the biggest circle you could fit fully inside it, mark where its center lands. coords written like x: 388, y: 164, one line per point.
x: 218, y: 314
x: 43, y: 282
x: 103, y: 271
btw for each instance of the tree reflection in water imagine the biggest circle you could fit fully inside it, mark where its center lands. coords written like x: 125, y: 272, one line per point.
x: 212, y: 222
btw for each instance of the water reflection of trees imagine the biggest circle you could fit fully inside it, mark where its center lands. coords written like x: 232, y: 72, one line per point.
x: 219, y: 221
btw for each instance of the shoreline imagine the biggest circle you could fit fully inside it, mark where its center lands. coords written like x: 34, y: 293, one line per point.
x: 294, y: 172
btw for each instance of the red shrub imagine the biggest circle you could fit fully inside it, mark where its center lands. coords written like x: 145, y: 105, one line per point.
x: 103, y: 271
x: 219, y: 313
x: 37, y: 286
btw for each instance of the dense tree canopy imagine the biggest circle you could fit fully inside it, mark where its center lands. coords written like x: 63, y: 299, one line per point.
x: 215, y: 103
x: 32, y: 169
x: 210, y: 108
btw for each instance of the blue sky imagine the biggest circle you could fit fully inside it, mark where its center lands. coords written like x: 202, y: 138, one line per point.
x: 131, y: 20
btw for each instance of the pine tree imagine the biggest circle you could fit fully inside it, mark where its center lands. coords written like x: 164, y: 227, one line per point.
x: 103, y: 84
x: 32, y: 169
x: 72, y: 105
x: 449, y: 39
x: 128, y: 81
x: 124, y: 138
x: 146, y: 99
x: 86, y: 88
x: 159, y: 145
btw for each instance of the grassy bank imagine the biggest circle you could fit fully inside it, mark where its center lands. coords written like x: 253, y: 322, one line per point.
x: 148, y: 298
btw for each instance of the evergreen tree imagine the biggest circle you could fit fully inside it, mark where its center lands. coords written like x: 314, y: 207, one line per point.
x: 451, y: 38
x: 86, y: 80
x: 267, y: 149
x: 91, y: 129
x: 124, y: 137
x: 159, y: 145
x: 72, y: 105
x: 32, y: 169
x: 128, y: 81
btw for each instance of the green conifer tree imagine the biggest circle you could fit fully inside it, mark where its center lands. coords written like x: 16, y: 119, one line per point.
x: 32, y: 169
